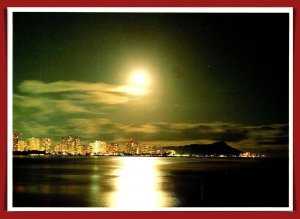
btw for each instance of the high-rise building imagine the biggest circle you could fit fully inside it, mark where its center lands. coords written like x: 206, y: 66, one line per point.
x: 62, y: 147
x: 15, y: 141
x: 16, y: 138
x: 79, y: 150
x: 95, y: 146
x: 103, y: 148
x: 70, y: 144
x: 78, y: 147
x: 86, y: 149
x: 22, y: 146
x: 47, y: 145
x: 113, y: 148
x: 98, y: 147
x: 34, y: 144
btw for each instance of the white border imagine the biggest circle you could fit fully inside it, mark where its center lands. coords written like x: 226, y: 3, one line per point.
x: 9, y: 110
x: 291, y: 119
x: 156, y: 9
x: 10, y: 11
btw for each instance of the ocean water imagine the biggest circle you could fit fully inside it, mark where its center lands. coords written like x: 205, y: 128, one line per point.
x: 149, y: 182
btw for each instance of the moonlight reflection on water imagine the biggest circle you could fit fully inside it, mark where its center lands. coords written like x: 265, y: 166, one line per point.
x: 138, y: 185
x: 149, y: 183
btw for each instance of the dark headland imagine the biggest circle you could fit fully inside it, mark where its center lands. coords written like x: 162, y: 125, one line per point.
x: 216, y: 148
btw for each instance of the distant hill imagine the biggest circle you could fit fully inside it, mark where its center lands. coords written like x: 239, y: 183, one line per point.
x: 217, y: 148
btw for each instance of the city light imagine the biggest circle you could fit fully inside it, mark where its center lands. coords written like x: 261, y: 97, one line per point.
x: 72, y: 145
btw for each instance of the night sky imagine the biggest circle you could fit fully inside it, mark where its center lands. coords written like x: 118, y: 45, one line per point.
x: 208, y: 77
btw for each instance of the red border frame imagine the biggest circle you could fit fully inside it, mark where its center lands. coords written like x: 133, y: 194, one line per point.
x: 146, y: 3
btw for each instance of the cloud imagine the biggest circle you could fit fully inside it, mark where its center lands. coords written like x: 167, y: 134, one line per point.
x: 92, y: 110
x: 93, y: 127
x: 190, y: 131
x: 150, y: 128
x: 271, y: 138
x: 58, y: 101
x: 39, y: 87
x: 43, y: 106
x: 268, y: 139
x: 246, y: 138
x: 88, y: 92
x: 98, y: 97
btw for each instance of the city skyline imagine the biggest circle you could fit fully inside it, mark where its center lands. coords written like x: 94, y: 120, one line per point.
x: 72, y: 146
x: 202, y: 78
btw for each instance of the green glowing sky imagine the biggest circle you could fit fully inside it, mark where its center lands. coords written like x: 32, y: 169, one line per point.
x: 211, y: 77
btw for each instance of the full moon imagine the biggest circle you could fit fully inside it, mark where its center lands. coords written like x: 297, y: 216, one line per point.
x: 140, y: 78
x: 139, y: 82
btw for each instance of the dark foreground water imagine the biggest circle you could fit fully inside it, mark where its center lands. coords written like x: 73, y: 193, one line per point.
x: 149, y: 182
